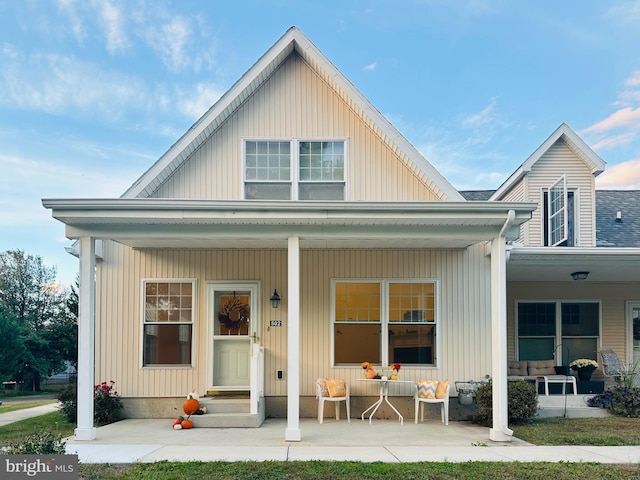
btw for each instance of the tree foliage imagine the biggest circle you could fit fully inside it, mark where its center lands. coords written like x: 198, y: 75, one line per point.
x: 38, y: 315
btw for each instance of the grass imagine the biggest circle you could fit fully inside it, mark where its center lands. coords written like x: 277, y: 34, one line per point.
x: 608, y: 431
x: 547, y: 431
x: 12, y: 407
x: 51, y: 422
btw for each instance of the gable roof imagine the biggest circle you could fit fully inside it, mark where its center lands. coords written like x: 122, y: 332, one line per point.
x: 293, y: 41
x: 591, y: 159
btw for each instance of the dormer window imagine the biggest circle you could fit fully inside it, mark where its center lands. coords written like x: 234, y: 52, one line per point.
x: 559, y: 215
x: 294, y: 170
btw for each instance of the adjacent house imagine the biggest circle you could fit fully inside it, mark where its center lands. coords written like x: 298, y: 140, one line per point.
x: 294, y: 233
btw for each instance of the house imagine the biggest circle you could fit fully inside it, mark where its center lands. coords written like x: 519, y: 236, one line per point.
x: 293, y: 233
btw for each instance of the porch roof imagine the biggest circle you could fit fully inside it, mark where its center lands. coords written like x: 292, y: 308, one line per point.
x: 555, y: 264
x: 181, y: 223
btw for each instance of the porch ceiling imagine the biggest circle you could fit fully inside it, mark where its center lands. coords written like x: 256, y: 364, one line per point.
x: 162, y: 223
x: 555, y: 264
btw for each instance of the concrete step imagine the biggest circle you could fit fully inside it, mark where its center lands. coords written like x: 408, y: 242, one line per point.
x: 228, y: 413
x: 571, y: 406
x: 225, y: 405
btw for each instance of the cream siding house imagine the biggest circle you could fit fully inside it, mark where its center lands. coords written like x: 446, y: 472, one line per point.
x: 293, y: 183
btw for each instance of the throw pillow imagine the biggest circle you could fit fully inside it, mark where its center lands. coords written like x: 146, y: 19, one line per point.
x: 324, y: 391
x: 427, y: 388
x: 441, y: 391
x: 337, y: 388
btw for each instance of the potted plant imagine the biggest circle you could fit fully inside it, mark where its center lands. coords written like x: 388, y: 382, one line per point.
x: 584, y: 367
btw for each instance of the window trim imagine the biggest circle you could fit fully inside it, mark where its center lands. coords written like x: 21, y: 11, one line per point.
x: 194, y: 313
x: 558, y: 337
x: 384, y: 318
x: 295, y: 181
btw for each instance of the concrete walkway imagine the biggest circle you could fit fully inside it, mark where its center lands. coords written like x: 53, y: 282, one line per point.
x: 138, y: 440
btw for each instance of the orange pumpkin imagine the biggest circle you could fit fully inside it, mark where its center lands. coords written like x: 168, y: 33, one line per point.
x: 190, y: 405
x: 187, y: 424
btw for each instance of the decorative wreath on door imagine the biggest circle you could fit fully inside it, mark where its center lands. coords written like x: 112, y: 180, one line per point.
x: 234, y: 314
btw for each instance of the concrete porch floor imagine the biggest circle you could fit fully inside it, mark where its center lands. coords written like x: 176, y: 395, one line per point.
x: 387, y: 441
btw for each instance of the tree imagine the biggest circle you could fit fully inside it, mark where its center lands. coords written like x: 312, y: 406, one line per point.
x: 13, y: 347
x: 38, y: 303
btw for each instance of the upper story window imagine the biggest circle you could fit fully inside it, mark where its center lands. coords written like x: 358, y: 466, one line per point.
x: 294, y: 170
x: 559, y: 215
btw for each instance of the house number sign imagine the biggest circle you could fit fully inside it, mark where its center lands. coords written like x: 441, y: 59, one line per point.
x: 275, y: 323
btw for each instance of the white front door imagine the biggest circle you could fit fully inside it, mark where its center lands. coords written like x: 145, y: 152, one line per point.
x: 233, y: 323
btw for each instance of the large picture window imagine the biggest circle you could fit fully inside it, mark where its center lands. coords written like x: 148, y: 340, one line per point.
x: 384, y: 322
x: 168, y: 322
x: 294, y: 170
x: 561, y: 330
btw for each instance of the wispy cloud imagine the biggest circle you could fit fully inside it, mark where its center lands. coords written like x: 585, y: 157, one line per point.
x: 371, y: 67
x: 622, y: 126
x: 482, y: 118
x: 112, y: 22
x: 622, y: 176
x: 624, y: 118
x: 195, y: 102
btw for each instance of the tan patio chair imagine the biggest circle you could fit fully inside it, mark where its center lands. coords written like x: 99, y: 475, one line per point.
x: 432, y: 391
x: 332, y: 390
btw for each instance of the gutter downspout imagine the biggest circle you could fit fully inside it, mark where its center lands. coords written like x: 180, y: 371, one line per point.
x: 500, y: 431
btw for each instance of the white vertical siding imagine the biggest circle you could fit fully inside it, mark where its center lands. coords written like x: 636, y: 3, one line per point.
x: 296, y: 103
x: 463, y: 329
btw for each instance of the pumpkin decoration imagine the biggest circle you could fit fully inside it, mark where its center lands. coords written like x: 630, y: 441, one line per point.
x: 191, y: 405
x: 187, y: 424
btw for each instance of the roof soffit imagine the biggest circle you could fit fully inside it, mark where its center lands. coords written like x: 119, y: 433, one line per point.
x: 292, y: 41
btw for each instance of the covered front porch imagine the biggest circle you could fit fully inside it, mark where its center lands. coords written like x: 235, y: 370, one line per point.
x: 152, y: 225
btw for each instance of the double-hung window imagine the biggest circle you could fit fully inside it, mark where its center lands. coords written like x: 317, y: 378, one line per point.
x: 565, y: 330
x: 294, y: 170
x: 384, y: 322
x: 168, y: 322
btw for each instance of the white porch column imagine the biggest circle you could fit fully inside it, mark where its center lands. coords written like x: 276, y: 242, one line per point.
x: 86, y: 337
x: 500, y: 431
x: 293, y: 432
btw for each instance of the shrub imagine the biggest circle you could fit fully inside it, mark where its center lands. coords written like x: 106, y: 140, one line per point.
x: 107, y: 406
x: 67, y: 398
x: 522, y: 400
x: 621, y: 401
x: 45, y: 443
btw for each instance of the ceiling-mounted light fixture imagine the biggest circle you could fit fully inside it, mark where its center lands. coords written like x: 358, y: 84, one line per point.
x: 275, y: 299
x: 579, y: 275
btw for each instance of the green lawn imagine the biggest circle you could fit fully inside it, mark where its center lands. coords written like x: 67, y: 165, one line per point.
x: 593, y: 431
x: 13, y: 406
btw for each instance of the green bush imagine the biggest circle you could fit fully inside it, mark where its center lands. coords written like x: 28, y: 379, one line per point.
x: 107, y: 406
x: 621, y: 401
x: 45, y: 443
x: 522, y: 401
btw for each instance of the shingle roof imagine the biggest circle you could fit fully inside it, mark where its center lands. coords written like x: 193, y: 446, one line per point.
x: 617, y: 233
x: 481, y: 195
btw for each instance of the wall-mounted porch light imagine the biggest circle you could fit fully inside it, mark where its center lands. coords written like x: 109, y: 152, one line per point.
x: 579, y: 275
x: 275, y: 299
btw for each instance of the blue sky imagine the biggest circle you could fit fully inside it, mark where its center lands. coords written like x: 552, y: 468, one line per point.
x: 92, y: 92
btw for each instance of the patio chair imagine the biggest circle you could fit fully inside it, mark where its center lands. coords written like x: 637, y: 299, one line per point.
x: 431, y: 391
x: 332, y: 390
x: 611, y: 366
